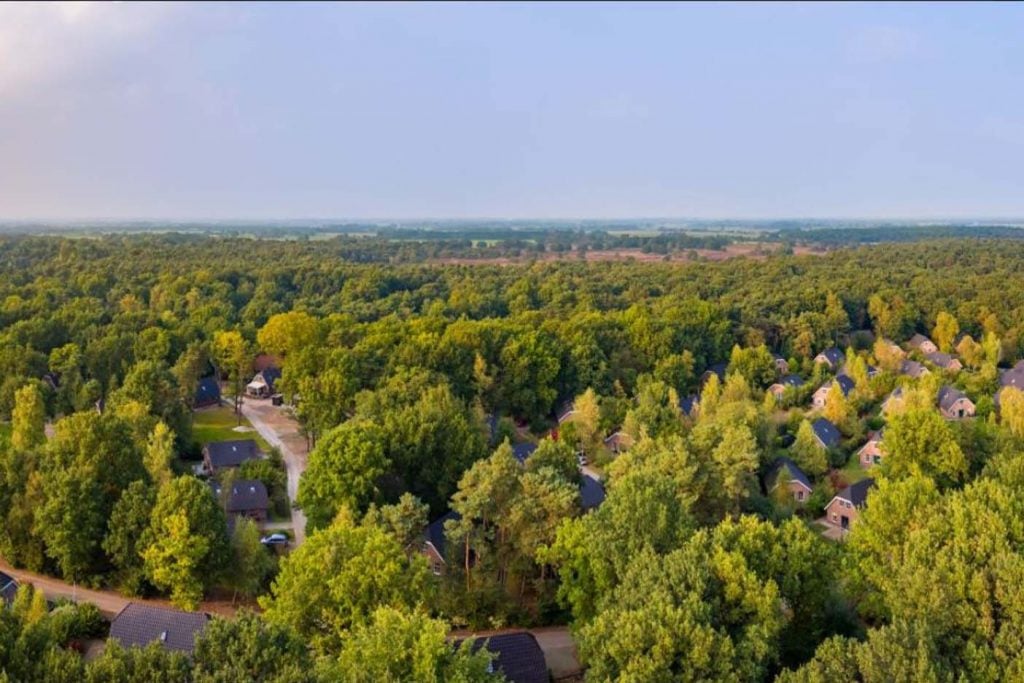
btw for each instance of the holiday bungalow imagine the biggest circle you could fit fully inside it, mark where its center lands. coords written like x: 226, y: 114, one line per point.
x: 954, y: 404
x: 843, y: 510
x: 871, y: 453
x: 832, y: 357
x: 820, y: 397
x: 785, y: 472
x: 825, y: 433
x: 138, y: 625
x: 922, y: 344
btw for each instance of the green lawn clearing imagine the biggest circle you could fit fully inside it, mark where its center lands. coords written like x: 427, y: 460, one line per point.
x: 218, y: 424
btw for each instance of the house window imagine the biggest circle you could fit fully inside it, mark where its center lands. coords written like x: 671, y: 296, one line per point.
x: 799, y: 495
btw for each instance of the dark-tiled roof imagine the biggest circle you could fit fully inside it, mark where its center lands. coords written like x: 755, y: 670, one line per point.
x: 270, y: 375
x: 207, y: 391
x: 833, y: 354
x: 522, y: 451
x: 246, y: 495
x: 846, y: 383
x: 231, y: 453
x: 519, y: 657
x: 857, y: 493
x: 948, y: 396
x: 794, y: 472
x: 688, y: 403
x: 591, y: 492
x: 8, y: 588
x: 792, y: 381
x: 912, y: 368
x: 943, y: 360
x: 718, y: 369
x: 140, y: 625
x: 826, y: 432
x: 435, y: 531
x: 917, y: 340
x: 1013, y: 378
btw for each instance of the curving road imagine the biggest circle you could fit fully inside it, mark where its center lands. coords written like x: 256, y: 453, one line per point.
x: 282, y: 431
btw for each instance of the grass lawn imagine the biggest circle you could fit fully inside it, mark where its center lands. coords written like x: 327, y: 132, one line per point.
x: 852, y: 471
x: 218, y: 424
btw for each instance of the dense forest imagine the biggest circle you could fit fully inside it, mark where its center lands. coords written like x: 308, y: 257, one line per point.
x: 680, y: 384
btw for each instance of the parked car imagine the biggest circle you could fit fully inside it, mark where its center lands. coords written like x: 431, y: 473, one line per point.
x: 275, y: 539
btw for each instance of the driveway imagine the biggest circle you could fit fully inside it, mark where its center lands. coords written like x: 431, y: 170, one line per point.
x: 281, y: 430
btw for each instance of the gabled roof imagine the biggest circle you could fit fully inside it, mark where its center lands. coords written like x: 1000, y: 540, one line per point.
x: 872, y: 371
x: 912, y: 368
x: 565, y: 410
x: 943, y: 360
x: 207, y: 391
x: 522, y: 451
x: 792, y: 381
x: 519, y: 657
x: 873, y: 437
x: 246, y: 495
x: 688, y: 403
x: 231, y: 453
x: 1013, y: 378
x: 845, y: 383
x: 138, y: 625
x: 833, y: 354
x: 791, y: 469
x: 434, y: 532
x: 8, y: 588
x: 856, y: 493
x: 268, y: 375
x: 826, y: 432
x: 949, y: 395
x: 917, y: 340
x: 591, y: 492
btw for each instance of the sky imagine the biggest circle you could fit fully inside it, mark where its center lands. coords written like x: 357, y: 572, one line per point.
x: 263, y: 111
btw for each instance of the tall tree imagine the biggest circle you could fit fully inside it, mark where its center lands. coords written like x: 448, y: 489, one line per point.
x: 251, y: 564
x: 399, y: 645
x: 28, y: 418
x: 807, y: 452
x: 186, y: 547
x: 233, y: 357
x: 339, y: 577
x: 945, y: 331
x: 344, y: 471
x: 160, y: 454
x: 248, y: 648
x: 128, y: 522
x: 287, y: 333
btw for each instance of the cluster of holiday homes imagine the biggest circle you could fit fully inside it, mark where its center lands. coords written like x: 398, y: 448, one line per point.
x: 262, y: 385
x: 247, y: 497
x: 517, y: 656
x: 952, y: 403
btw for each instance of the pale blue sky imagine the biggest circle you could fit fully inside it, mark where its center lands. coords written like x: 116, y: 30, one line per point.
x: 519, y: 110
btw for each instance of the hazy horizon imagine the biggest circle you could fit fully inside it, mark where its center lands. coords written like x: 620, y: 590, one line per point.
x: 429, y: 112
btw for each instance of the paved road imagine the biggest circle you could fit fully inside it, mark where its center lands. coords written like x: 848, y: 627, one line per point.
x: 108, y: 602
x: 282, y: 431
